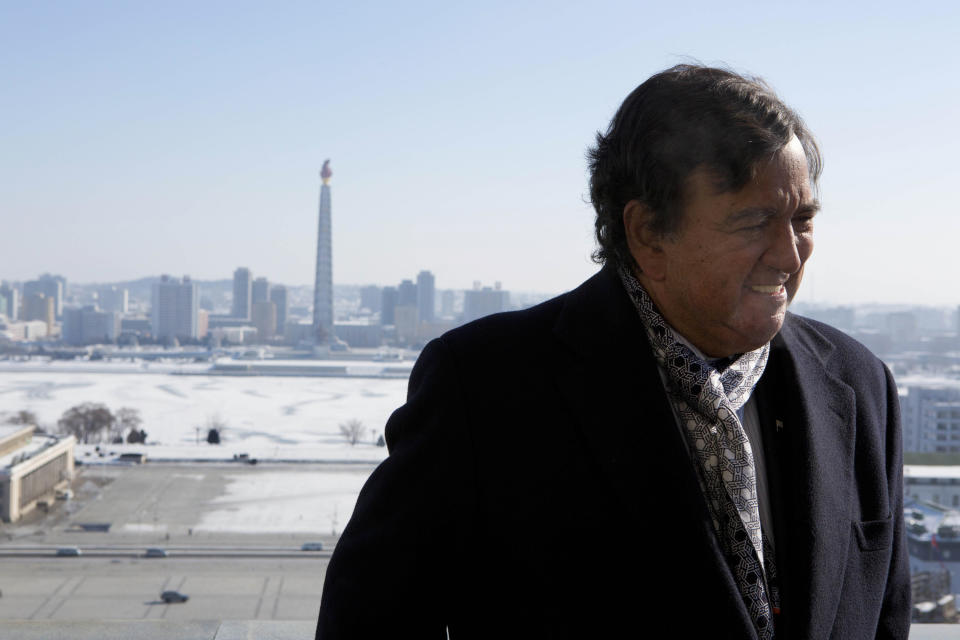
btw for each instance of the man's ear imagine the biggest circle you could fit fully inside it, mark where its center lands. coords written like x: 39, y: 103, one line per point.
x: 646, y: 245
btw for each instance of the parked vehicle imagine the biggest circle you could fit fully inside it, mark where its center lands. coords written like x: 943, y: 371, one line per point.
x: 312, y: 546
x: 173, y: 596
x: 69, y: 551
x: 155, y: 552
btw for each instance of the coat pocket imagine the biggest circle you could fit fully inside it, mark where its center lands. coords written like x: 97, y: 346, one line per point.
x: 874, y: 535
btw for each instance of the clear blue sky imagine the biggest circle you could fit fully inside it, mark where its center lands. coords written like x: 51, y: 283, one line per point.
x: 186, y: 137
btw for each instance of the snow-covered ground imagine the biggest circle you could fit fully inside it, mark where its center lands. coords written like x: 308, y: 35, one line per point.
x: 269, y: 418
x: 285, y: 502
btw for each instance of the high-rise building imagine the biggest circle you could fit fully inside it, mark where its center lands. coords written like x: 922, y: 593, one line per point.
x: 113, y: 298
x: 323, y: 283
x: 278, y: 296
x: 242, y: 285
x: 37, y: 306
x: 370, y: 298
x: 407, y: 294
x: 425, y: 296
x: 175, y: 306
x: 388, y: 303
x: 265, y: 319
x: 49, y: 287
x: 89, y: 326
x: 11, y: 296
x: 260, y: 291
x: 480, y: 302
x: 446, y: 303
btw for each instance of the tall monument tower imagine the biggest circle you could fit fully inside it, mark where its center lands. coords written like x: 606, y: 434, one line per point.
x: 323, y: 285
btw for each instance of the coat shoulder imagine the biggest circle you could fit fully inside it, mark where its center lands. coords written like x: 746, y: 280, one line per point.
x: 509, y: 332
x: 840, y: 352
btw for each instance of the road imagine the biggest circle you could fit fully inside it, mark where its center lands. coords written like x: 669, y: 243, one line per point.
x: 227, y: 575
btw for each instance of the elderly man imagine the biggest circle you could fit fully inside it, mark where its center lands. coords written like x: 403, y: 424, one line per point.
x: 663, y: 451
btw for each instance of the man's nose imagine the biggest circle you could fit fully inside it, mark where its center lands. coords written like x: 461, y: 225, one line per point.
x: 783, y: 253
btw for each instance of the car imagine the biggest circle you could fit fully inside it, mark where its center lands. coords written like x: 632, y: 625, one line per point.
x: 312, y: 546
x: 69, y: 551
x: 155, y: 552
x: 173, y: 596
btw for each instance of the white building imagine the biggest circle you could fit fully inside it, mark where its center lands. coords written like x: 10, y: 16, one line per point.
x: 175, y: 306
x: 89, y: 326
x: 932, y: 483
x: 32, y: 468
x: 480, y: 302
x: 114, y: 298
x: 931, y: 416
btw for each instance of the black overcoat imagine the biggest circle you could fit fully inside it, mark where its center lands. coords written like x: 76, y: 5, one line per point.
x: 537, y: 486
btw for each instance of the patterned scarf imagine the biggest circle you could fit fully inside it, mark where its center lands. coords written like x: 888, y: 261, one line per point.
x: 706, y: 402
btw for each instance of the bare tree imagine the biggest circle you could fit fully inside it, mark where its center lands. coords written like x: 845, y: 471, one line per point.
x: 128, y: 420
x: 353, y: 431
x: 87, y: 421
x: 23, y: 417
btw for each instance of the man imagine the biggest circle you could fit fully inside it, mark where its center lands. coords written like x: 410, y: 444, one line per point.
x: 662, y: 452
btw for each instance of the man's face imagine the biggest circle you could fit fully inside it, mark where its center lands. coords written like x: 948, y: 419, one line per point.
x: 726, y: 276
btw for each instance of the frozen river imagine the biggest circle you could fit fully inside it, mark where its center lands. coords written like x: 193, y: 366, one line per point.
x: 266, y: 417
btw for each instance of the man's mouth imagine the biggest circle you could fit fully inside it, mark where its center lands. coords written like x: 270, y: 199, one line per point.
x: 768, y: 289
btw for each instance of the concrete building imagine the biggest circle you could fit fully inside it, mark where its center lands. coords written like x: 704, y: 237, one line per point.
x: 278, y: 296
x: 297, y: 333
x: 932, y: 483
x: 242, y: 292
x: 480, y: 302
x: 174, y: 313
x: 234, y: 335
x: 138, y: 325
x: 260, y: 291
x: 32, y: 468
x: 24, y: 330
x: 265, y: 319
x: 11, y: 299
x: 370, y: 298
x: 360, y: 334
x: 113, y: 298
x: 407, y: 322
x: 50, y: 287
x: 446, y: 303
x: 425, y: 296
x: 388, y: 303
x: 323, y: 331
x: 407, y: 293
x: 37, y: 306
x: 931, y: 418
x: 89, y: 326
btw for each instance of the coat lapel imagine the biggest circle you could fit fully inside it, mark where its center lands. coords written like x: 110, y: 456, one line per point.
x: 812, y: 414
x: 611, y: 383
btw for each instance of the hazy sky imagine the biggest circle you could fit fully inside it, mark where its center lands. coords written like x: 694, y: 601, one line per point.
x: 139, y: 138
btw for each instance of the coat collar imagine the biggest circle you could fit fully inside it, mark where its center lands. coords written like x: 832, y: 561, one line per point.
x: 811, y: 414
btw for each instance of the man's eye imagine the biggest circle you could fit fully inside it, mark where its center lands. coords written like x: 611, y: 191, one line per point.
x: 803, y: 223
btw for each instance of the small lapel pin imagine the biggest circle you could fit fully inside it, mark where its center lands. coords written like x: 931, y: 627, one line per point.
x: 779, y: 426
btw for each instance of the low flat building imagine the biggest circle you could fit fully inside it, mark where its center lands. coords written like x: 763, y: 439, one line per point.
x: 939, y: 484
x: 32, y: 468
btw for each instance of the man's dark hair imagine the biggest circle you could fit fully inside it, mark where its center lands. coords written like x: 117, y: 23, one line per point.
x: 679, y: 120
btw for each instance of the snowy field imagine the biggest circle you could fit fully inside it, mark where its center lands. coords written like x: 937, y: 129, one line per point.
x: 284, y: 502
x: 269, y: 418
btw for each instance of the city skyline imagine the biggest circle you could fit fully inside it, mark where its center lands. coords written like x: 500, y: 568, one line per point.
x: 182, y: 138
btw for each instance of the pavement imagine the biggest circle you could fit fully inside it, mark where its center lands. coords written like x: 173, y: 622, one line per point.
x: 227, y: 576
